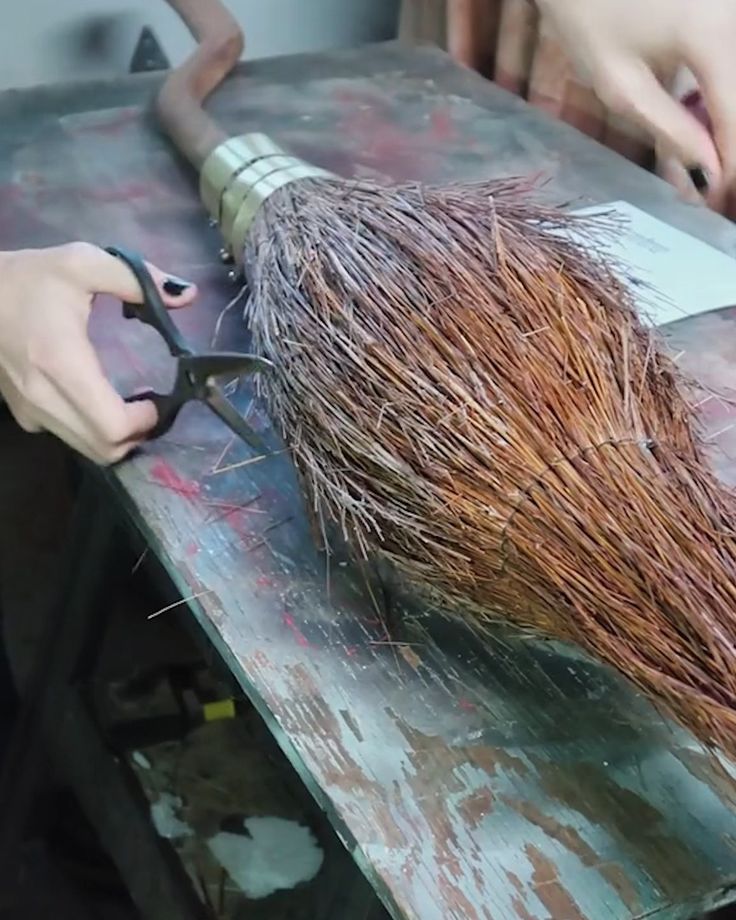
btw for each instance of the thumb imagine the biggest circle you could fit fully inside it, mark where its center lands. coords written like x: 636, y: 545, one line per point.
x: 98, y: 272
x: 631, y: 89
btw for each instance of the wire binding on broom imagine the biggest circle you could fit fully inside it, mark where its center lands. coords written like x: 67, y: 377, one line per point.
x: 526, y: 493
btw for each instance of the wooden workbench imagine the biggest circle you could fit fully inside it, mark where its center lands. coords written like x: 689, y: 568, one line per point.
x: 515, y: 781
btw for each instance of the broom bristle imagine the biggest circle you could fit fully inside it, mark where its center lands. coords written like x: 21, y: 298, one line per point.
x: 472, y: 395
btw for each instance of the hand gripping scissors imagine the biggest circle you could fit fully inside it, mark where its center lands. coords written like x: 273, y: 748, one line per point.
x: 195, y: 373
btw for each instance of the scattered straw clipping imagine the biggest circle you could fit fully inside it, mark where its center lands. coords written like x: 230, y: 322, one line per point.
x: 474, y: 397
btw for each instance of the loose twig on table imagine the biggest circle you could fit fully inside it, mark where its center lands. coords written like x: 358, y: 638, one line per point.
x: 184, y: 600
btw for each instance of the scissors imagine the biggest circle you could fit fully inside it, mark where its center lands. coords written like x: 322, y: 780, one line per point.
x: 195, y: 373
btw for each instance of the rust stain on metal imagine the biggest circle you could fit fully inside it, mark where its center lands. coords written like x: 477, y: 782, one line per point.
x: 476, y: 806
x: 450, y: 856
x: 516, y: 902
x: 260, y: 661
x: 515, y: 881
x: 455, y: 901
x: 308, y: 713
x: 431, y: 759
x: 452, y: 860
x: 708, y: 770
x: 622, y: 813
x: 492, y: 759
x: 570, y: 838
x: 433, y: 749
x: 410, y: 656
x: 433, y: 773
x: 548, y: 887
x: 383, y: 823
x: 351, y: 724
x: 520, y: 910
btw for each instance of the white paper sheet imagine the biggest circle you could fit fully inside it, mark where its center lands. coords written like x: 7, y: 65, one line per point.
x: 688, y: 275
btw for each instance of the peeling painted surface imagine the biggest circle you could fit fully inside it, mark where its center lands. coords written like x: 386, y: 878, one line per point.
x: 514, y: 781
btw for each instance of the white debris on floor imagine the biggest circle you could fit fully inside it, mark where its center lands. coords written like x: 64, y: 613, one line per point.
x: 247, y: 845
x: 140, y: 760
x: 164, y: 814
x: 271, y: 855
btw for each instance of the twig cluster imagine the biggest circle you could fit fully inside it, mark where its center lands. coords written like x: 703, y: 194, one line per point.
x: 472, y: 395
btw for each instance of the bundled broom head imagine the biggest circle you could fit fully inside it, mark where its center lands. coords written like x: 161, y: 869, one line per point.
x: 471, y: 395
x: 475, y: 398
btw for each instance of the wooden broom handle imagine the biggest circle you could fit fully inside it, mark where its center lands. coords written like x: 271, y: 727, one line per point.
x: 179, y: 104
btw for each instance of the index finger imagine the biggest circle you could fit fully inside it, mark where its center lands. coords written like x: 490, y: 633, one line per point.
x: 630, y: 88
x: 99, y: 272
x: 716, y: 75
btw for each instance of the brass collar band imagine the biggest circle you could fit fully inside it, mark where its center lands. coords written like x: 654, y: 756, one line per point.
x: 240, y: 174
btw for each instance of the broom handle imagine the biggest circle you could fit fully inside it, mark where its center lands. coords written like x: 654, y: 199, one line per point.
x: 179, y: 104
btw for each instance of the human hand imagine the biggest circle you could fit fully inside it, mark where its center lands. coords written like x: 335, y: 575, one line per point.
x: 687, y: 92
x: 50, y: 375
x: 626, y: 47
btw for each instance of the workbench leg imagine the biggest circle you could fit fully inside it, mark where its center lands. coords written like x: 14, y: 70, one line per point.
x: 85, y: 577
x: 358, y: 901
x: 117, y: 808
x: 54, y: 718
x: 351, y: 896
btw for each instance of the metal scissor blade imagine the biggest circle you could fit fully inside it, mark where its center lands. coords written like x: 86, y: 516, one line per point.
x: 237, y: 424
x: 220, y: 364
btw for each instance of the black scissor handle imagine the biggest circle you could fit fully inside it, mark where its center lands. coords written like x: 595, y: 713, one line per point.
x: 168, y: 406
x: 152, y: 310
x: 195, y: 373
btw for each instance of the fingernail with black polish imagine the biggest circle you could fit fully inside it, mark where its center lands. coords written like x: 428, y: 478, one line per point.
x: 175, y: 287
x: 699, y: 178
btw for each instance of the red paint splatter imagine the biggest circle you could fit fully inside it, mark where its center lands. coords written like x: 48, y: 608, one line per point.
x: 442, y: 127
x: 164, y: 475
x: 191, y: 549
x: 466, y: 705
x: 301, y: 639
x: 337, y: 161
x: 30, y: 179
x: 126, y: 192
x: 241, y: 524
x: 386, y: 147
x: 395, y: 151
x: 350, y: 96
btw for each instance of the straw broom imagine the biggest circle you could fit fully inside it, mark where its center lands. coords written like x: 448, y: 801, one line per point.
x: 472, y: 396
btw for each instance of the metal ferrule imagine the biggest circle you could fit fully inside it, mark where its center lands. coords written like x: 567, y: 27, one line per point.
x: 240, y: 174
